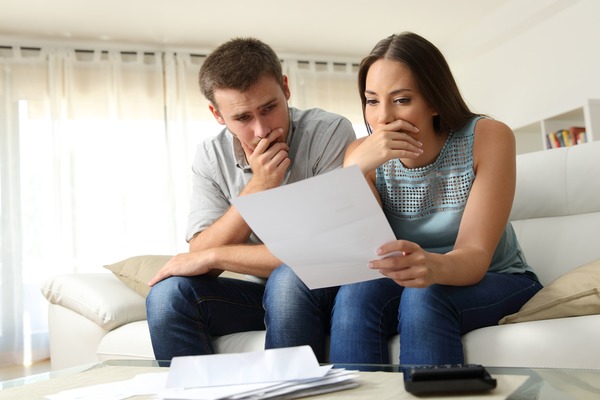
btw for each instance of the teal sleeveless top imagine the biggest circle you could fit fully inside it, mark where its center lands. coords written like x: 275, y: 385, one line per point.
x: 425, y: 205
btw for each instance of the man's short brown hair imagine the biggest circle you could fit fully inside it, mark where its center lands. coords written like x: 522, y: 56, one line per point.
x: 238, y: 64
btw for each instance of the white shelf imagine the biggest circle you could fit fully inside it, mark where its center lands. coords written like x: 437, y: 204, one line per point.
x: 532, y: 137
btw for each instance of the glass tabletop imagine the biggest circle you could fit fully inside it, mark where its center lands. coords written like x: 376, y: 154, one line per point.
x: 81, y: 368
x: 540, y: 383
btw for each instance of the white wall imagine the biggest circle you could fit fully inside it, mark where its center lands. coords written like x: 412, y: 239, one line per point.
x: 544, y: 62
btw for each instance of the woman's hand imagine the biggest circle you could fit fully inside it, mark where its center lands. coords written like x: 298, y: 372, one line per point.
x: 387, y: 142
x: 406, y: 263
x: 186, y: 264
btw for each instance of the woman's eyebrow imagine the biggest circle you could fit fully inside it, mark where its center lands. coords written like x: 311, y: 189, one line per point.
x: 395, y: 91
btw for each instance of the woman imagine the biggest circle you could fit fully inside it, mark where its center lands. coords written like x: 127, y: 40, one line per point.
x: 445, y: 178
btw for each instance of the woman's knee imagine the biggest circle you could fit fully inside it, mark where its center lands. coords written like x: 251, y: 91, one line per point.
x: 371, y: 303
x: 423, y: 306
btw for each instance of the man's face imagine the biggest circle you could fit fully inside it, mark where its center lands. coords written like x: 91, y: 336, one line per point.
x: 254, y: 113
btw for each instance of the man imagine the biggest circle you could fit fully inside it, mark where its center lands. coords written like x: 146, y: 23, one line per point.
x: 265, y: 144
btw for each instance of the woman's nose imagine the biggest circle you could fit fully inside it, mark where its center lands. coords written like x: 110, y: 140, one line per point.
x: 385, y: 115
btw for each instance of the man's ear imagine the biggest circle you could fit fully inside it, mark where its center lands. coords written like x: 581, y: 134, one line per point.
x: 216, y: 114
x: 286, y: 87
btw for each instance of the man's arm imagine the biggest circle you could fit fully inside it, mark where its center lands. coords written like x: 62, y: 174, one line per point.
x: 269, y: 162
x: 246, y: 259
x: 227, y: 230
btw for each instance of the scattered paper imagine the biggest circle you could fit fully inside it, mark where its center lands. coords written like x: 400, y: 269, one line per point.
x: 291, y: 372
x: 334, y: 380
x: 253, y: 375
x: 273, y: 365
x: 142, y: 384
x: 326, y: 228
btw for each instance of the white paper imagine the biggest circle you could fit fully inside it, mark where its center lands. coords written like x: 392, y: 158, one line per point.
x: 142, y: 384
x: 260, y: 374
x: 334, y: 380
x: 273, y: 365
x: 326, y: 228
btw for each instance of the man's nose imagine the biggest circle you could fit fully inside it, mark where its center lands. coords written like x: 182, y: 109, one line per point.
x: 262, y: 129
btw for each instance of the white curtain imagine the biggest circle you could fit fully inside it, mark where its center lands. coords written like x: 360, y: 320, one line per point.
x: 95, y: 154
x: 326, y: 84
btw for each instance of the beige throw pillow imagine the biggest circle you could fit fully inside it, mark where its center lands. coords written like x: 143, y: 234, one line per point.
x: 573, y: 294
x: 137, y: 271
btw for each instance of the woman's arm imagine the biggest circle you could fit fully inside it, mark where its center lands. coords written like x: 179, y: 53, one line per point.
x: 484, y: 220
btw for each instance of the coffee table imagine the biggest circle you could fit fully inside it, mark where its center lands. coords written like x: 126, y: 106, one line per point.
x: 381, y: 382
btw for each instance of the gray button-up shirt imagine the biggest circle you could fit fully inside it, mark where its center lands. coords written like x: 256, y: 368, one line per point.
x: 317, y: 140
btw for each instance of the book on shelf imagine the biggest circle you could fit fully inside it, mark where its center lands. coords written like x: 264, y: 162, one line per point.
x: 578, y: 133
x: 566, y: 137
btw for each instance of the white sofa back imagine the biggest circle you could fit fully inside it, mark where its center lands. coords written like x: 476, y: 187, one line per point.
x: 556, y: 212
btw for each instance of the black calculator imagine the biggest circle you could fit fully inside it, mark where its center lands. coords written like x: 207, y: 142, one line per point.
x: 449, y: 379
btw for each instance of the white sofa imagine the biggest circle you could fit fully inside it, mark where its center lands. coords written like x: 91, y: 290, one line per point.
x: 556, y: 215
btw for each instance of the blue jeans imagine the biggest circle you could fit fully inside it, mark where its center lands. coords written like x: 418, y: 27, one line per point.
x: 360, y: 318
x: 184, y: 313
x: 432, y: 320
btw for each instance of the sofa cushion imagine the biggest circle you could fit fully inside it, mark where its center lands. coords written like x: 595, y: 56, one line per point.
x: 130, y: 341
x: 99, y: 297
x: 137, y: 271
x: 573, y: 294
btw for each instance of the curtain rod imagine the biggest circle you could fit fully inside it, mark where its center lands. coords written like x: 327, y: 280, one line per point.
x: 200, y: 55
x: 33, y: 42
x: 130, y: 52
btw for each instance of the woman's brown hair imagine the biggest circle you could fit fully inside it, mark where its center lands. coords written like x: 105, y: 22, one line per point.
x: 430, y: 72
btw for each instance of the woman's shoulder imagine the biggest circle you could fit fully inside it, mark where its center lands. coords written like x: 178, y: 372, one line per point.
x: 491, y: 130
x: 493, y: 136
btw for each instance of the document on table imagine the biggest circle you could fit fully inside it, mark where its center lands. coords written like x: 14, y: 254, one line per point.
x: 326, y: 228
x: 272, y: 373
x: 290, y: 372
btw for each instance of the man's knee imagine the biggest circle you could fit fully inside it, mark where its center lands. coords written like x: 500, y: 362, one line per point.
x: 284, y: 291
x: 283, y: 280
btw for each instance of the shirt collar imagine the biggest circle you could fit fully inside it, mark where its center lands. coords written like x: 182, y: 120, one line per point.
x: 240, y: 156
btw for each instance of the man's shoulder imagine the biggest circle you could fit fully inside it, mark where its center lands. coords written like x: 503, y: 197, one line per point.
x: 215, y: 147
x: 315, y: 114
x: 319, y: 122
x: 221, y: 139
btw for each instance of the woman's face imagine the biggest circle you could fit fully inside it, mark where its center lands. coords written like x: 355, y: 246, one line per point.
x: 391, y: 94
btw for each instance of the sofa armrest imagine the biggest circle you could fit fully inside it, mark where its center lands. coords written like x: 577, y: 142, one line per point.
x: 100, y: 297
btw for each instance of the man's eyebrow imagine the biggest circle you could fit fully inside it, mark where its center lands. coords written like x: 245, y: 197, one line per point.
x: 264, y: 105
x: 268, y: 103
x: 238, y: 116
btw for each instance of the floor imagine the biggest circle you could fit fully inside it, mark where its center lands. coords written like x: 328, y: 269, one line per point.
x: 19, y: 371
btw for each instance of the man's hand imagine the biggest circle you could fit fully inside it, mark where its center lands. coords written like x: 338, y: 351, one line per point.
x: 185, y: 264
x: 269, y: 161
